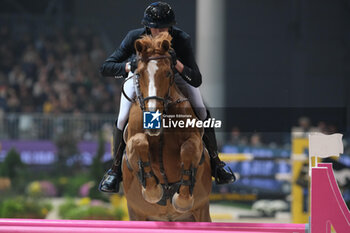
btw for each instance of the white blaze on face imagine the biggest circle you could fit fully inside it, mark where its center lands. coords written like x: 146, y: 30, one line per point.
x: 152, y: 90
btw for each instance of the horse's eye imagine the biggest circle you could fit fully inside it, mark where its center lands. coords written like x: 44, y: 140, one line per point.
x: 169, y: 74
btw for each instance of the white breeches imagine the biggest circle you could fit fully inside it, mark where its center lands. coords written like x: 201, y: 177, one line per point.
x: 192, y: 93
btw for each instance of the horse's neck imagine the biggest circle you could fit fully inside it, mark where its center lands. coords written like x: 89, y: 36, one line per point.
x: 183, y: 106
x: 175, y: 92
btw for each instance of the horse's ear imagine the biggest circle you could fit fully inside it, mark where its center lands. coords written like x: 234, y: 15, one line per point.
x: 139, y: 46
x: 165, y: 45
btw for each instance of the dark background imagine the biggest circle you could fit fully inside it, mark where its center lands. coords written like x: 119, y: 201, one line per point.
x: 291, y: 54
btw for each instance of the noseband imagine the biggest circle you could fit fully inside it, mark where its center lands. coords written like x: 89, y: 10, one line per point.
x: 139, y: 97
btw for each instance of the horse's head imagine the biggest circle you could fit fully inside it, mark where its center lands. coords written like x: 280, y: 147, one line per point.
x: 155, y: 72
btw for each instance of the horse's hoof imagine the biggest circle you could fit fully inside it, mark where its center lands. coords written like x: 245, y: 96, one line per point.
x: 154, y: 195
x: 182, y: 205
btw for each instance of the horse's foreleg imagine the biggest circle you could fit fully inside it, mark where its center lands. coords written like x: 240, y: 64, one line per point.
x: 202, y: 214
x: 133, y: 216
x: 138, y: 147
x: 190, y: 156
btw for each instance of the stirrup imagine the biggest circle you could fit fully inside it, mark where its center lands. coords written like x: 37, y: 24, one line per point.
x: 221, y: 164
x: 218, y: 181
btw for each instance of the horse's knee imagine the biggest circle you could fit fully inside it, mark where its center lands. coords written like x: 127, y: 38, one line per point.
x: 190, y: 150
x: 137, y: 147
x: 188, y: 147
x: 138, y: 141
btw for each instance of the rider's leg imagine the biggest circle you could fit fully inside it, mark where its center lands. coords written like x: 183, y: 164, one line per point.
x: 194, y: 96
x: 111, y: 180
x: 217, y: 166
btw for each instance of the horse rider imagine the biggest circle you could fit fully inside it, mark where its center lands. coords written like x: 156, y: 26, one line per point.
x: 159, y: 17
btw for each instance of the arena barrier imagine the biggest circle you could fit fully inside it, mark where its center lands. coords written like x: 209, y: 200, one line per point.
x: 327, y: 206
x: 56, y: 226
x: 328, y: 209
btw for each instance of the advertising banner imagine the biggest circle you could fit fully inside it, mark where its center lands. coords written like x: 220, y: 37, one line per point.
x: 45, y: 152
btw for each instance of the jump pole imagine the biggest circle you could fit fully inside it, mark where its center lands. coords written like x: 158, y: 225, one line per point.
x: 55, y: 226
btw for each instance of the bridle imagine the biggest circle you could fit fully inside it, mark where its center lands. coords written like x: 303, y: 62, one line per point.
x: 167, y: 101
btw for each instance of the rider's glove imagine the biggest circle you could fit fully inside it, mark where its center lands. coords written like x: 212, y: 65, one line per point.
x: 133, y: 63
x: 173, y: 57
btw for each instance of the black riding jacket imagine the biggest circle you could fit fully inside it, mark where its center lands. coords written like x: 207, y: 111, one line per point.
x: 181, y: 43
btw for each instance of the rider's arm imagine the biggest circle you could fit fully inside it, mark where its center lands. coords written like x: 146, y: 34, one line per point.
x: 188, y: 68
x: 115, y: 64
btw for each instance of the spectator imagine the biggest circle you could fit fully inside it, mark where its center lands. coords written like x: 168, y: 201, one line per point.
x: 54, y: 72
x: 236, y: 137
x: 304, y: 128
x: 13, y: 104
x: 255, y: 140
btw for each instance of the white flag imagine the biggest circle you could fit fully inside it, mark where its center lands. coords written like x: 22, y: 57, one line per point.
x: 324, y: 146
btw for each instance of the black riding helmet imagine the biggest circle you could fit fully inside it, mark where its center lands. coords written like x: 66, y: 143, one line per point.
x: 159, y: 15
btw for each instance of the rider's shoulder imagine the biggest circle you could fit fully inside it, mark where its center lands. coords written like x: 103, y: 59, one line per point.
x: 180, y: 34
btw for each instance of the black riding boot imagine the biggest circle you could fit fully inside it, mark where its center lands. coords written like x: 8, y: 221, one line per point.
x: 111, y: 180
x: 221, y: 175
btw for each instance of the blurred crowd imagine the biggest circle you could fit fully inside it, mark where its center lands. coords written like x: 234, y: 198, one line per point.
x: 56, y: 72
x: 301, y: 130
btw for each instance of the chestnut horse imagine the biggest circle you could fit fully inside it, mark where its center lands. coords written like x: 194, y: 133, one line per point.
x: 166, y: 172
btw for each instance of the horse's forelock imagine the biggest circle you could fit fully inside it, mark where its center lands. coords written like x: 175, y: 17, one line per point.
x: 153, y: 44
x: 163, y: 36
x: 159, y: 40
x: 146, y: 43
